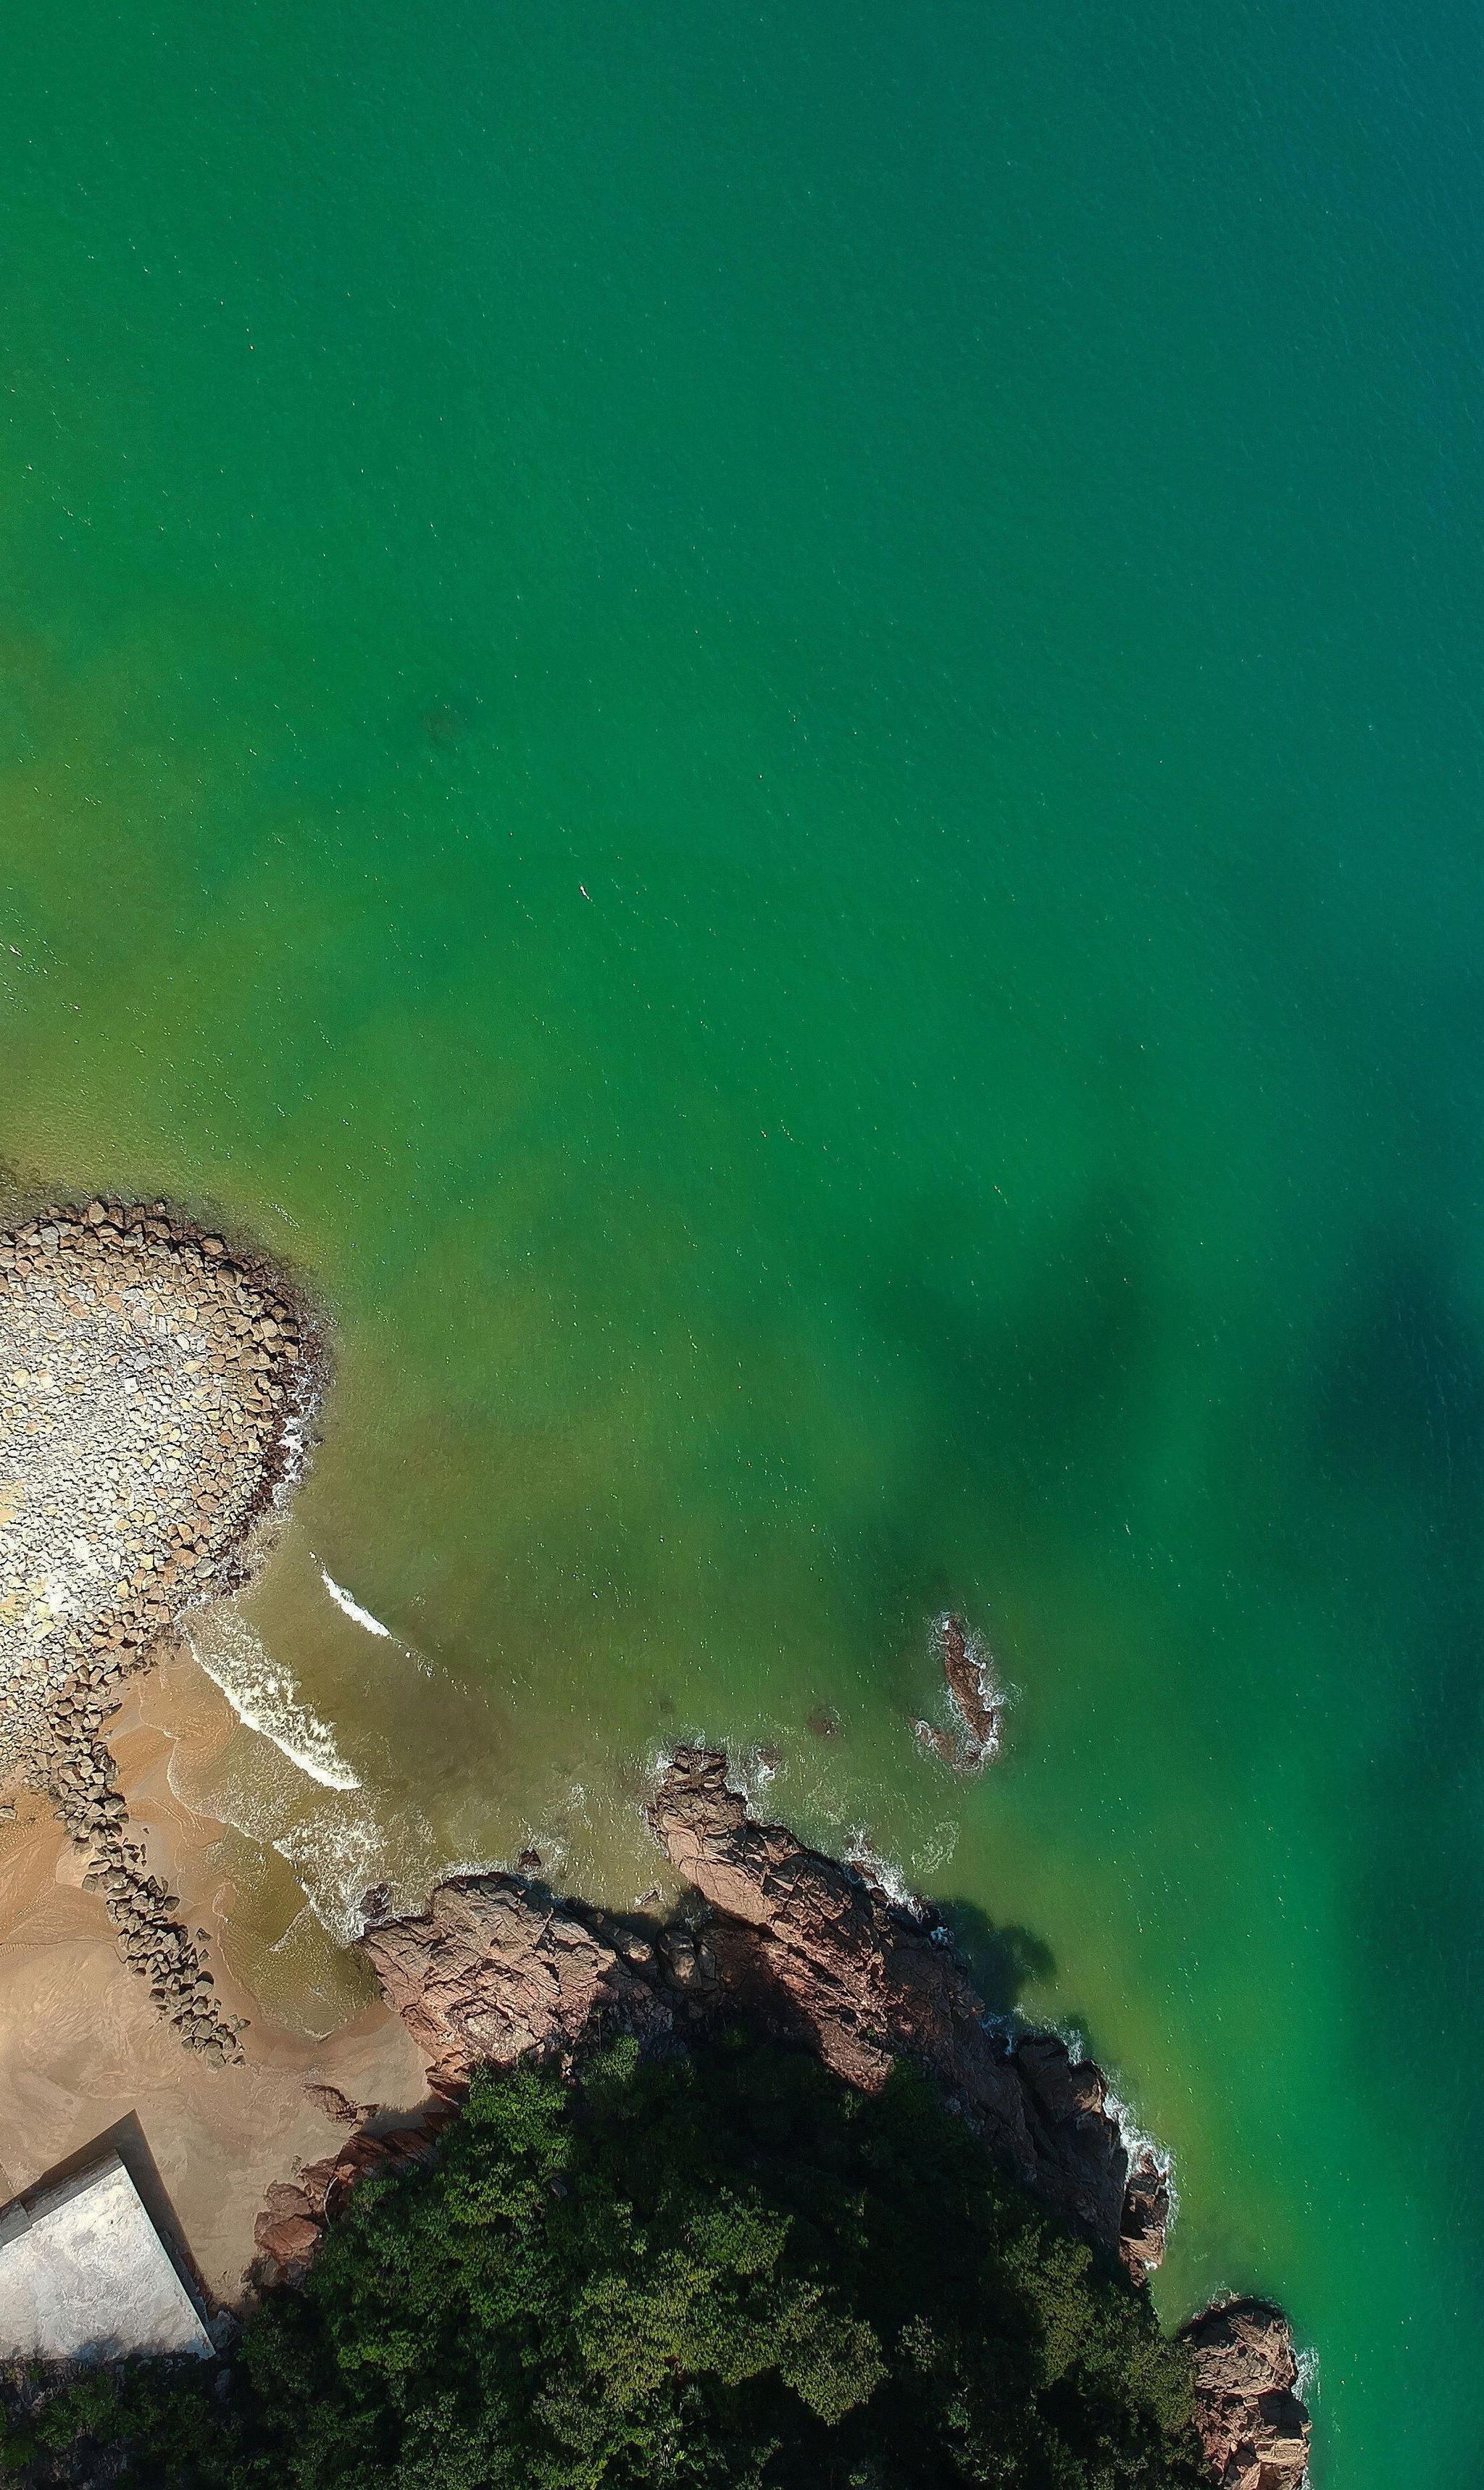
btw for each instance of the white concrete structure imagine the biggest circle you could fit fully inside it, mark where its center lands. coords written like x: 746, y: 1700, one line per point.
x: 84, y: 2275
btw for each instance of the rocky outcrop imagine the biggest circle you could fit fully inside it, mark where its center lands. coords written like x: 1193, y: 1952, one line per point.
x: 495, y: 1967
x: 801, y: 1945
x: 809, y: 1948
x: 1253, y: 2427
x: 498, y: 1968
x: 972, y: 1697
x: 494, y: 1970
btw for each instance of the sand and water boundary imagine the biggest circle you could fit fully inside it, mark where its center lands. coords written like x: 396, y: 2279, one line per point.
x: 157, y: 1390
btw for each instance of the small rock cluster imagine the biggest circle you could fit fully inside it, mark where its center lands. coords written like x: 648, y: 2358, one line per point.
x: 151, y: 1385
x: 294, y: 2217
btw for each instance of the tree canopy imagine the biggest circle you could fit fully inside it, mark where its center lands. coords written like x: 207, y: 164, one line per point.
x: 717, y: 2269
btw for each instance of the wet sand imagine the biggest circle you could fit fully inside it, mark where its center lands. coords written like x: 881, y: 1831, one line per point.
x: 83, y: 2049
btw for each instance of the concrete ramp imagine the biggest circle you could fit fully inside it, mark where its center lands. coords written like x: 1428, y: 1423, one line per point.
x: 85, y: 2275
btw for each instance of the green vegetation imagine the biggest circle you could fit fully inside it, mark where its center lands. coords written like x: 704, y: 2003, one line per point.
x: 720, y: 2270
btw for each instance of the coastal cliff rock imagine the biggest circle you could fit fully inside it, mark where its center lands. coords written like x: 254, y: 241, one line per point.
x: 498, y: 1968
x: 495, y: 1968
x: 806, y: 1947
x: 1254, y: 2429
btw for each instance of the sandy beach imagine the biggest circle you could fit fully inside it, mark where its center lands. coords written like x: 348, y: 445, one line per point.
x: 85, y: 2055
x: 151, y: 1393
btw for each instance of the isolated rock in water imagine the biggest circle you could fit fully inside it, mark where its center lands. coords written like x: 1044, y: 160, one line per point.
x: 971, y: 1691
x: 1253, y: 2427
x: 810, y: 1949
x: 494, y: 1969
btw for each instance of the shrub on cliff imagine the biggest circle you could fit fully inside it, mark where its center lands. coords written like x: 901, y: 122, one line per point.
x: 718, y: 2270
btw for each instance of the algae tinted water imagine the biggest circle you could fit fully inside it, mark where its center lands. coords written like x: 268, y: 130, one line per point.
x: 764, y: 721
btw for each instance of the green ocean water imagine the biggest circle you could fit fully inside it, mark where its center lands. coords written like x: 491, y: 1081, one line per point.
x: 765, y: 723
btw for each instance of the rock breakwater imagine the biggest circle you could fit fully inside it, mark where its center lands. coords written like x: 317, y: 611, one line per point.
x: 152, y: 1385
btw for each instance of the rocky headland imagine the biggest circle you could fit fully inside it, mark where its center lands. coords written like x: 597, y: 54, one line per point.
x: 499, y: 1968
x: 152, y: 1386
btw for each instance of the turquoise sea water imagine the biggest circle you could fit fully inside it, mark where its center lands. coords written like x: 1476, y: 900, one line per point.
x: 764, y: 721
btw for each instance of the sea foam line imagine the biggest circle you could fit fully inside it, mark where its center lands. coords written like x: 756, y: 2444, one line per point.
x: 264, y: 1699
x: 353, y: 1607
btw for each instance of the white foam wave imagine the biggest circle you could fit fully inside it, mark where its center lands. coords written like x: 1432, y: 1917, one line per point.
x: 1140, y: 2147
x: 936, y: 1850
x: 888, y: 1878
x: 336, y: 1859
x: 265, y: 1698
x: 353, y: 1607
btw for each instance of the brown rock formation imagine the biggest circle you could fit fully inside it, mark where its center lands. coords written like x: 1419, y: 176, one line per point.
x: 1253, y: 2427
x: 496, y: 1968
x: 966, y: 1676
x: 810, y: 1949
x: 806, y: 1947
x: 292, y: 2223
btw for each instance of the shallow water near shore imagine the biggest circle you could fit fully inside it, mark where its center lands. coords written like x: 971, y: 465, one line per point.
x: 757, y: 726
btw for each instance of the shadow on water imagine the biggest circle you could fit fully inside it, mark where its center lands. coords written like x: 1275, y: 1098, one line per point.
x: 1396, y: 1457
x: 1029, y: 1373
x: 1001, y: 1961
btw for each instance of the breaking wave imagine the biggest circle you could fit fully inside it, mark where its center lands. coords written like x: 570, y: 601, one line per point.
x: 266, y: 1698
x: 353, y: 1607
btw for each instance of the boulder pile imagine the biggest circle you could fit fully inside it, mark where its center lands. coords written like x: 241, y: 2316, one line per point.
x: 152, y: 1388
